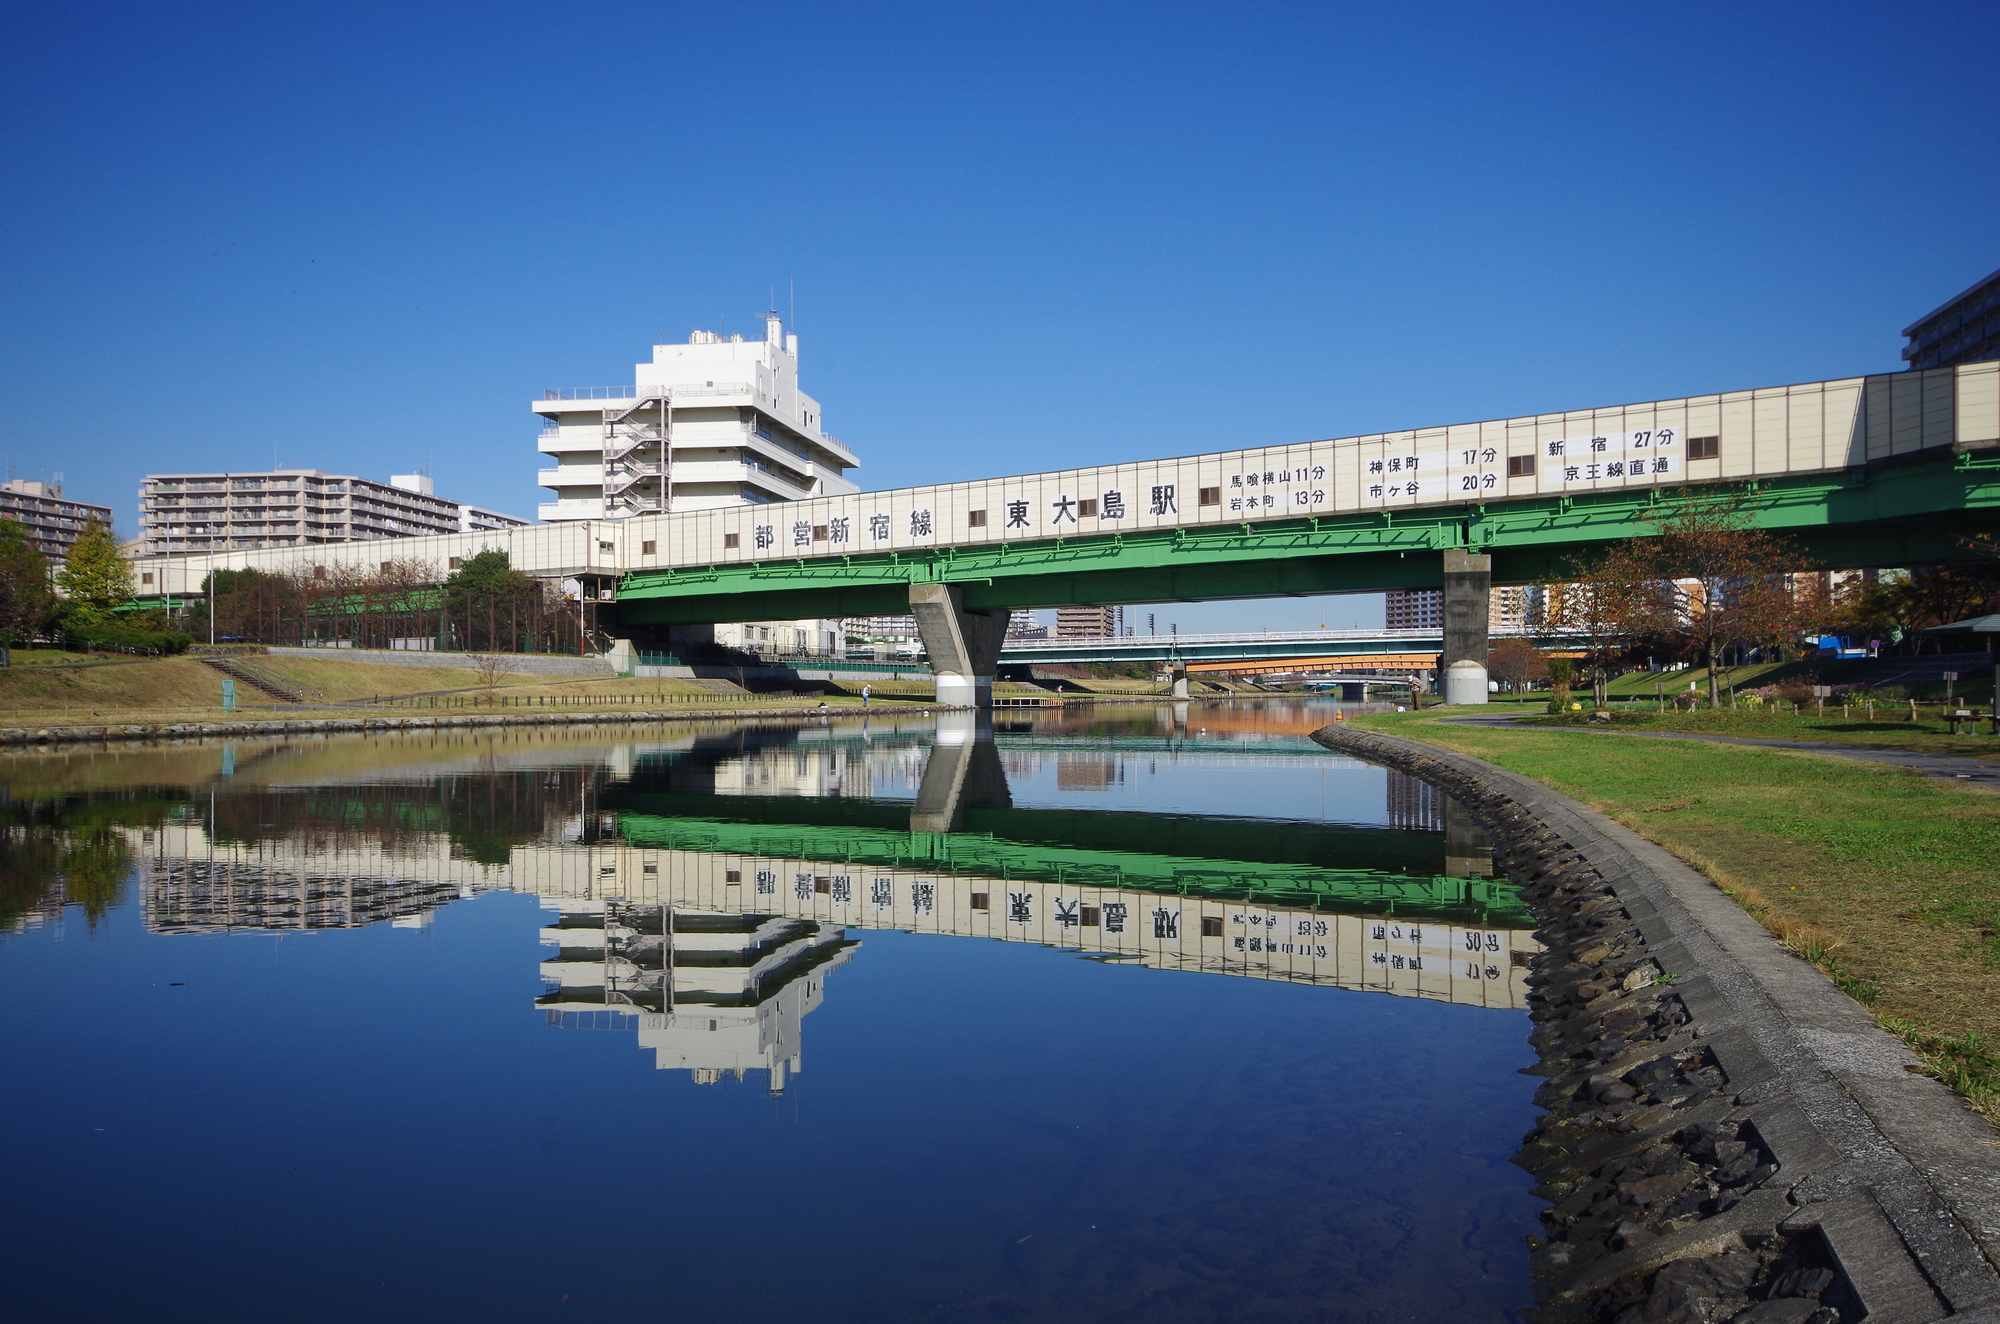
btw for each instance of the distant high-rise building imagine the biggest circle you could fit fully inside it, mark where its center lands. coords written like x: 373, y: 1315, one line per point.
x: 209, y: 512
x: 52, y: 520
x: 1965, y: 329
x: 1086, y: 622
x: 1510, y: 610
x: 1413, y: 609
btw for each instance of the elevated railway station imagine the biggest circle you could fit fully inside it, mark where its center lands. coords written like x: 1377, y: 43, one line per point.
x: 1863, y: 471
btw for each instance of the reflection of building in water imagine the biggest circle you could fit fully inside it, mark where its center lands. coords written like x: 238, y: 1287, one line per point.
x: 192, y: 885
x: 1088, y: 772
x: 1447, y: 957
x: 716, y: 994
x: 1414, y: 805
x: 797, y: 769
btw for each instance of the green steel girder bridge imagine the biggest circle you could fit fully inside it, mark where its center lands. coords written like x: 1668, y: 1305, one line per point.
x: 1002, y: 859
x: 1885, y: 470
x: 1892, y: 470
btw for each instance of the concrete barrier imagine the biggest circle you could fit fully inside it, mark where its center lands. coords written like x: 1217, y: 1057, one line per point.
x: 1728, y: 1135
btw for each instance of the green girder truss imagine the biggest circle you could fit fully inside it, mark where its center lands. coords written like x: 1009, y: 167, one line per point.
x: 1492, y: 901
x: 1890, y: 514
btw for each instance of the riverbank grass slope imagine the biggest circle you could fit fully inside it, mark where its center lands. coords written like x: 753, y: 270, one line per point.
x: 1888, y: 880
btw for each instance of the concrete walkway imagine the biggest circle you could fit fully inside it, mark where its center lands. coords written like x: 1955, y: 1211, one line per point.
x: 1948, y: 766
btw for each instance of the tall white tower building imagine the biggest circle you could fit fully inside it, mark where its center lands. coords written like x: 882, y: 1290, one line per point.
x: 714, y: 422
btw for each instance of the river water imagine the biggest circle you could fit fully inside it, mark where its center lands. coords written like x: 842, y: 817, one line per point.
x: 1152, y: 1013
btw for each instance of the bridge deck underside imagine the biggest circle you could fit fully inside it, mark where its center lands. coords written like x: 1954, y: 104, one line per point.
x: 1892, y: 515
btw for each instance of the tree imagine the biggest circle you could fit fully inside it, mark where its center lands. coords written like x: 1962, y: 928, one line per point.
x: 26, y: 601
x: 1515, y: 663
x: 1716, y: 581
x: 485, y: 599
x: 95, y: 577
x: 1597, y: 605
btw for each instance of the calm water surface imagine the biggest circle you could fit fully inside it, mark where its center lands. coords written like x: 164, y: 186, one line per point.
x: 1156, y: 1014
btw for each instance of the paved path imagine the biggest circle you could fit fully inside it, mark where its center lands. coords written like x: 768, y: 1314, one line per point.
x: 1948, y: 766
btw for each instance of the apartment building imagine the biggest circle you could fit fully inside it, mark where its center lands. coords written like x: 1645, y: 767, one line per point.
x: 204, y: 512
x: 52, y: 520
x: 1086, y: 622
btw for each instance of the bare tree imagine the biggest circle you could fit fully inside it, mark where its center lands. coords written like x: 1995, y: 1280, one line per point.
x: 1598, y: 605
x: 489, y: 669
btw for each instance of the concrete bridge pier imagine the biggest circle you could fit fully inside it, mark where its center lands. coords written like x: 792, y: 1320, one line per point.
x: 1180, y: 678
x: 964, y: 646
x: 1468, y: 593
x: 963, y: 771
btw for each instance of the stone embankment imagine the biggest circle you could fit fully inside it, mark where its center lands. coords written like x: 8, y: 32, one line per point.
x: 66, y: 735
x: 1728, y: 1137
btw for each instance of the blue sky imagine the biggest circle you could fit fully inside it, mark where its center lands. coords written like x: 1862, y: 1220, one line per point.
x: 1021, y: 236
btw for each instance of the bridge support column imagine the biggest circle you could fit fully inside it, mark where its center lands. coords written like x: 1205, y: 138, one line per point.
x: 964, y: 646
x: 1468, y: 592
x: 963, y: 771
x: 1180, y: 682
x: 1468, y: 851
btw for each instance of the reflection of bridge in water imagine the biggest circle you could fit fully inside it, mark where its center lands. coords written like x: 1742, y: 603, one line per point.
x: 702, y: 896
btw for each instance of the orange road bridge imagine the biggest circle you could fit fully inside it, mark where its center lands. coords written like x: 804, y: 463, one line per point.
x: 1891, y: 470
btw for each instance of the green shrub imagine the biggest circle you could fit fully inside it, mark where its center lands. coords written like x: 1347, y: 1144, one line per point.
x: 108, y: 635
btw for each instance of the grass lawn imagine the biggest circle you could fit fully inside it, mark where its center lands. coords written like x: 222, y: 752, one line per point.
x: 1887, y: 880
x: 1889, y: 729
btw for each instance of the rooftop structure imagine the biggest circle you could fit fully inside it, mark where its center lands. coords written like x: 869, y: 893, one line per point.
x: 712, y: 423
x: 212, y: 512
x: 1965, y: 329
x: 52, y: 520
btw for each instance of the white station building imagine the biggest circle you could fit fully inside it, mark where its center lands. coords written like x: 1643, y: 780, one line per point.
x: 706, y: 425
x: 715, y: 423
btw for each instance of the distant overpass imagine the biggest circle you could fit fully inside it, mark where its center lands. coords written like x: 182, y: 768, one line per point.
x: 1213, y: 652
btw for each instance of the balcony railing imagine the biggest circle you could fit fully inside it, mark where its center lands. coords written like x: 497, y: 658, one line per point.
x: 632, y: 392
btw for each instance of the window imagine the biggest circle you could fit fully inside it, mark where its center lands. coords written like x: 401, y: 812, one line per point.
x: 1086, y: 508
x: 604, y: 546
x: 819, y: 533
x: 1210, y: 496
x: 1520, y: 466
x: 732, y: 876
x: 648, y: 548
x: 457, y: 561
x: 1704, y: 448
x: 980, y: 900
x: 146, y: 578
x: 319, y: 572
x: 975, y: 519
x: 1211, y: 926
x: 385, y: 566
x: 732, y: 540
x: 1089, y: 916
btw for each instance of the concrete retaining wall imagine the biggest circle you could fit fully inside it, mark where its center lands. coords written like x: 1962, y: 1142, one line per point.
x: 65, y: 735
x: 1729, y: 1137
x: 531, y: 664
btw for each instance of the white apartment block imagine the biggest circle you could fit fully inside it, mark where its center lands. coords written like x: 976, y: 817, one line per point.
x: 52, y: 522
x: 212, y: 512
x: 1511, y: 610
x: 712, y: 423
